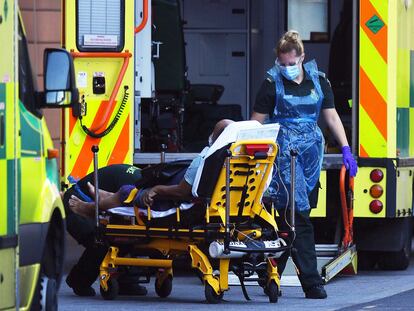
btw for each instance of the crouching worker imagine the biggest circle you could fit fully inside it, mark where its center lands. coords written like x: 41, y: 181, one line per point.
x: 84, y: 273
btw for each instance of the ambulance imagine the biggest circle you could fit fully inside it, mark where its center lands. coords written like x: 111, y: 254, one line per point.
x: 32, y: 216
x: 154, y: 76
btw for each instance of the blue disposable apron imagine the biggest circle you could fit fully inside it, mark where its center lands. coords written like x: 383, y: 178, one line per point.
x: 299, y: 131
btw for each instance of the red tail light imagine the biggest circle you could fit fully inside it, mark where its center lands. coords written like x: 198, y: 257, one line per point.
x: 376, y: 191
x: 376, y: 175
x: 375, y: 206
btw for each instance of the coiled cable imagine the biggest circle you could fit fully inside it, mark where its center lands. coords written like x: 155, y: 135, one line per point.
x: 114, y: 121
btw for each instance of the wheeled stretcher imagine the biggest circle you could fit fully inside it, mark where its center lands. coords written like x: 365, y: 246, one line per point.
x: 237, y: 232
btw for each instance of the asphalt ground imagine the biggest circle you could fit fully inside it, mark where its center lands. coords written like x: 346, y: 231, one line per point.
x: 361, y: 292
x: 399, y: 302
x: 378, y: 290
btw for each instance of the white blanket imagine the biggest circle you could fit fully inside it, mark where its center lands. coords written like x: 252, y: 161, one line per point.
x: 129, y: 211
x: 244, y: 130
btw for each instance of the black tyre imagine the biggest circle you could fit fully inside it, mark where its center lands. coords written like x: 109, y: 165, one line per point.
x: 49, y: 294
x: 398, y: 260
x: 53, y: 254
x: 211, y: 295
x: 113, y: 290
x: 367, y: 260
x: 164, y: 289
x: 272, y: 290
x: 45, y: 295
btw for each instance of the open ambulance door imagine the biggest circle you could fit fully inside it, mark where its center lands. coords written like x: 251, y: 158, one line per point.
x: 100, y: 37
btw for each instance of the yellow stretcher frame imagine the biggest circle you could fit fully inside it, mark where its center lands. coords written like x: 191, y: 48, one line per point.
x: 173, y: 242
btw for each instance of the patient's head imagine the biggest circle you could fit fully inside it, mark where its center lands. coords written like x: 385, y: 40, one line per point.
x: 218, y: 129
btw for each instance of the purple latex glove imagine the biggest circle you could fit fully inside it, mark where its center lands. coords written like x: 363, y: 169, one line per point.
x: 349, y: 161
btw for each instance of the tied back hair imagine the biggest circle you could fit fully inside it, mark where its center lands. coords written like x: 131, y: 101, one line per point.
x: 288, y: 42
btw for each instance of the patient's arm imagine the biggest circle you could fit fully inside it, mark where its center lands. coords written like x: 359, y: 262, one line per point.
x: 182, y: 191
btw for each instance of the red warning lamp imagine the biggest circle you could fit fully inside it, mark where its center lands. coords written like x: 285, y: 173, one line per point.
x: 376, y: 191
x: 376, y: 175
x: 375, y: 206
x: 252, y: 149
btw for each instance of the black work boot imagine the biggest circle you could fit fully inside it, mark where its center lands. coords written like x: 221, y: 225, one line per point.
x: 74, y: 281
x: 316, y: 292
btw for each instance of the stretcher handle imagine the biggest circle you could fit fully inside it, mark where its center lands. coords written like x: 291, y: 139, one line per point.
x: 293, y: 155
x: 347, y: 207
x: 227, y: 210
x: 144, y: 17
x: 95, y: 150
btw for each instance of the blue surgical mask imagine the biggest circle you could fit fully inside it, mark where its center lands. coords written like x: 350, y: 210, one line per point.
x: 290, y: 72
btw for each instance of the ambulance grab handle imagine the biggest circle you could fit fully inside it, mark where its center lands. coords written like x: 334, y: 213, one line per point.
x: 144, y: 17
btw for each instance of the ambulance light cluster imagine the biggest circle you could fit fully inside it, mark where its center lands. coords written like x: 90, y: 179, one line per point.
x: 376, y: 191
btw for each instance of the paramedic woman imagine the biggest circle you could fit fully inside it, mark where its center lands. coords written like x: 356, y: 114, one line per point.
x: 294, y: 94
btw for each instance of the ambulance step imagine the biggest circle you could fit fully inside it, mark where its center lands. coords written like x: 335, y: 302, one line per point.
x: 325, y: 253
x: 321, y: 261
x: 345, y: 262
x: 326, y: 250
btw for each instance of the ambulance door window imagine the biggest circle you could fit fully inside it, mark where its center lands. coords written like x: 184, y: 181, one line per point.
x: 310, y: 18
x: 27, y: 85
x: 100, y: 25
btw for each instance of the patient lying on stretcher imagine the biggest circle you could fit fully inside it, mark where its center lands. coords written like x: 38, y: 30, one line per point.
x: 158, y: 199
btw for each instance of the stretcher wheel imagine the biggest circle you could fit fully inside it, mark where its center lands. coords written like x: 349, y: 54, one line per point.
x: 113, y: 290
x: 272, y: 290
x: 164, y: 289
x: 211, y: 295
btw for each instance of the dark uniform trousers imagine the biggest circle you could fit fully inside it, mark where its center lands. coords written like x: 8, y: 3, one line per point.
x: 303, y: 252
x: 82, y: 229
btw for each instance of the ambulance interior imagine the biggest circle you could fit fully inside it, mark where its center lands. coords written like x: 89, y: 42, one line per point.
x: 211, y: 56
